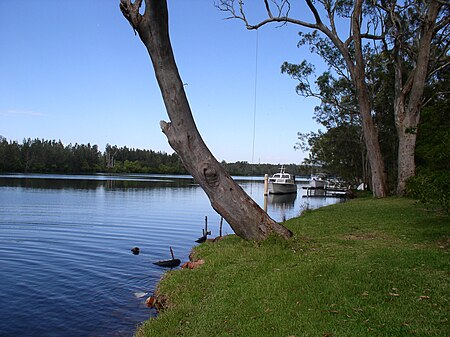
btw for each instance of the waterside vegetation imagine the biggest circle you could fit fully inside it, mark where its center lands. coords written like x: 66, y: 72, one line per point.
x: 368, y: 267
x: 51, y: 156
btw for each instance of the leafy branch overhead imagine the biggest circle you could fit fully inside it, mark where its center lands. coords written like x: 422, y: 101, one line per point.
x: 358, y: 39
x: 350, y: 50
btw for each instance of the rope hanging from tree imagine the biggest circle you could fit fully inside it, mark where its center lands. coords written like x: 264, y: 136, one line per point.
x: 255, y: 97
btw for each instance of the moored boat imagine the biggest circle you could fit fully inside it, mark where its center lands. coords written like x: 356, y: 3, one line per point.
x: 318, y: 180
x: 282, y: 183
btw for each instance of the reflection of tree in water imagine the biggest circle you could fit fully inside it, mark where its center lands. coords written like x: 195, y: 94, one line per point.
x: 92, y: 183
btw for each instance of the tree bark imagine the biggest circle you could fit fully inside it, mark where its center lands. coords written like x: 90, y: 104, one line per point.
x: 408, y: 97
x: 357, y: 71
x: 406, y: 156
x: 246, y: 218
x: 375, y: 157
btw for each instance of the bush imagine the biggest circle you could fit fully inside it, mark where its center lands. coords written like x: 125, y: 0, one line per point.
x: 431, y: 188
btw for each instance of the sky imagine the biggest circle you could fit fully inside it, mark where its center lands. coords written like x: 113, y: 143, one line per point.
x: 74, y: 71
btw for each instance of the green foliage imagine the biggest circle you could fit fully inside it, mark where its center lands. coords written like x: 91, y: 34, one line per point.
x: 341, y: 149
x: 325, y: 48
x: 371, y: 267
x: 46, y: 156
x: 338, y: 102
x: 431, y: 185
x: 41, y: 155
x: 301, y: 73
x: 431, y: 188
x: 392, y: 35
x: 338, y: 151
x: 243, y: 168
x: 433, y: 136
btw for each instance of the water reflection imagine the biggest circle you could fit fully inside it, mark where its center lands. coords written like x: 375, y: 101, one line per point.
x: 74, y: 234
x: 282, y: 200
x: 92, y: 184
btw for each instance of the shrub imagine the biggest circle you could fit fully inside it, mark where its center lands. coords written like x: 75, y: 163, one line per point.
x: 431, y: 188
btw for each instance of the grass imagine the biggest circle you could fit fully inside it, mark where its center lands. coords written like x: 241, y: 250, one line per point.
x: 369, y: 267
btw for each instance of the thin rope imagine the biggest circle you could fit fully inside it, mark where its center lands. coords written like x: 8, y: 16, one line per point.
x: 255, y: 99
x: 254, y: 107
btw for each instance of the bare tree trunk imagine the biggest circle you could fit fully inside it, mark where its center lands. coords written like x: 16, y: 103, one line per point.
x: 406, y: 158
x: 377, y: 168
x: 375, y: 158
x: 408, y: 97
x: 246, y: 218
x: 357, y: 71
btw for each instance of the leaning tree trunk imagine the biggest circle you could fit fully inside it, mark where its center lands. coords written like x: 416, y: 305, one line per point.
x: 246, y: 218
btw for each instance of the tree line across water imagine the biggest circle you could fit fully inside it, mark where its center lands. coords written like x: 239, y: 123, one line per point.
x: 51, y: 156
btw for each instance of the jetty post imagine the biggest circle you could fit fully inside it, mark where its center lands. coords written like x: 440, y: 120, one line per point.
x: 266, y: 190
x: 266, y: 184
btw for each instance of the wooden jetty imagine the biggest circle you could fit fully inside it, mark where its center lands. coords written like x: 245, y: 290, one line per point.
x: 325, y: 192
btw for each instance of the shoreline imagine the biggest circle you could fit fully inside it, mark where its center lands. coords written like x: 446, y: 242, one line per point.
x: 332, y: 277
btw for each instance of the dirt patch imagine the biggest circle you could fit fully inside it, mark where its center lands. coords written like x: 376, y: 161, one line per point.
x: 361, y: 236
x: 444, y: 243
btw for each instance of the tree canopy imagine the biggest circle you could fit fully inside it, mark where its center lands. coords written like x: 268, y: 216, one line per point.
x: 357, y: 40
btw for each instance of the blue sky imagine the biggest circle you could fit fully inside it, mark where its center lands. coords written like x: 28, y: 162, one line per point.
x: 74, y: 70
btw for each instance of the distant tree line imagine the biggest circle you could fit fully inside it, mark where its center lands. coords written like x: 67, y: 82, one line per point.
x: 51, y: 156
x: 243, y: 168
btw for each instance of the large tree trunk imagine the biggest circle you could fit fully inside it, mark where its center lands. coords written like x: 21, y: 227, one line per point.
x: 376, y: 161
x: 356, y: 68
x: 408, y: 98
x: 406, y: 124
x: 246, y: 218
x: 406, y: 158
x: 357, y: 71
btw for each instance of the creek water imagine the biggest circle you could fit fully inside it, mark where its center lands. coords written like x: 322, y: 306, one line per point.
x: 66, y: 268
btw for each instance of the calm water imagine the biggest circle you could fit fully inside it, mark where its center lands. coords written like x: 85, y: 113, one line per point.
x: 65, y: 263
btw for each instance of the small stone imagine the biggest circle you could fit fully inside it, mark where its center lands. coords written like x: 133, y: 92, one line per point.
x: 192, y: 264
x: 150, y: 302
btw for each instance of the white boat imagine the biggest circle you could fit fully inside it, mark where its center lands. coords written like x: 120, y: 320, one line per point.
x: 282, y: 183
x: 318, y: 180
x: 337, y: 184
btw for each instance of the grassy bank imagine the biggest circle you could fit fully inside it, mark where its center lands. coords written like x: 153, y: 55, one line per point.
x: 364, y: 268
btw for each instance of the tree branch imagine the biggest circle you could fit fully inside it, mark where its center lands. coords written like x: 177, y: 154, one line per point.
x: 426, y: 102
x: 269, y: 13
x: 314, y: 11
x: 439, y: 68
x: 441, y: 24
x: 131, y: 12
